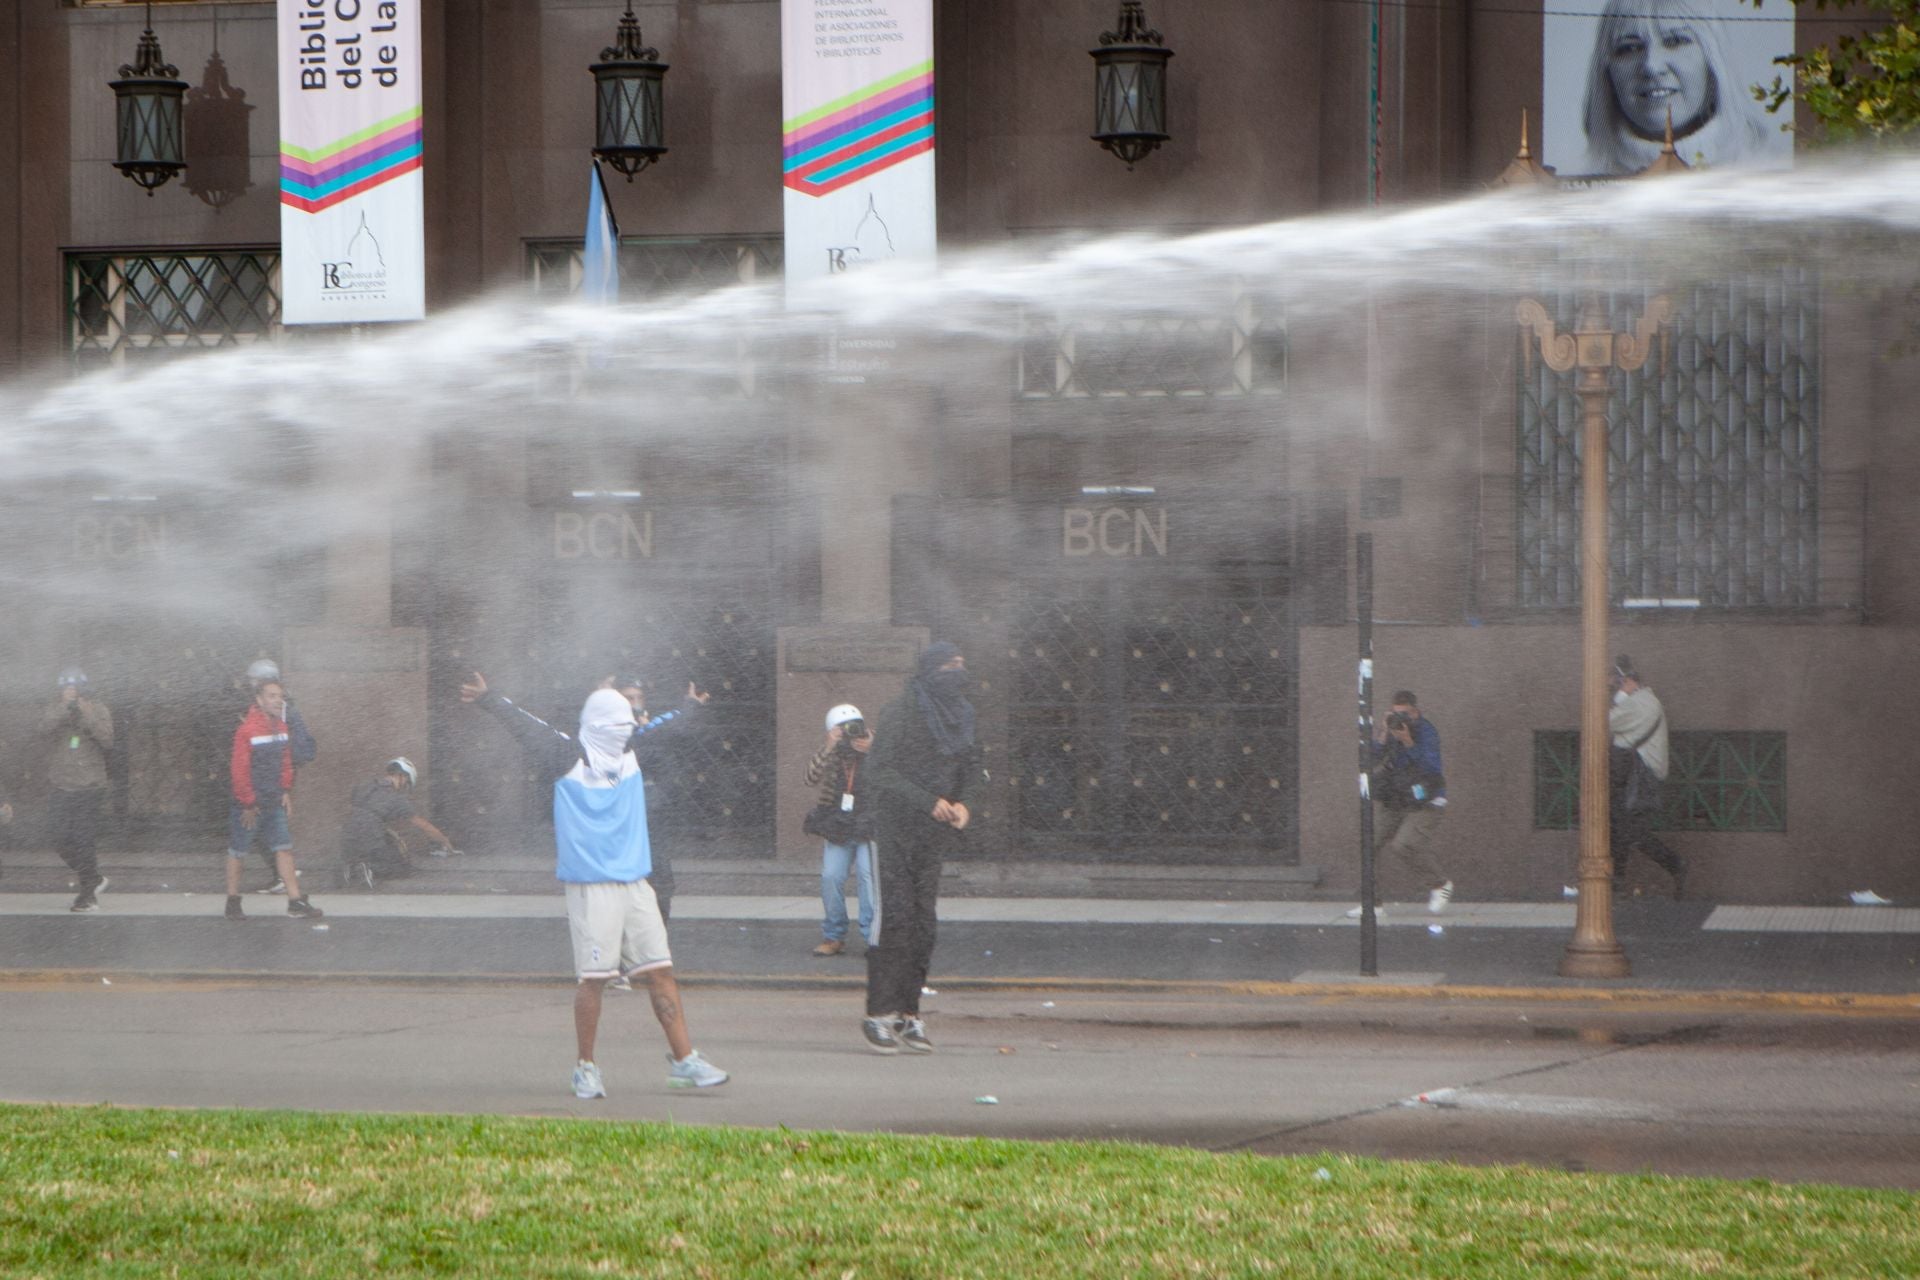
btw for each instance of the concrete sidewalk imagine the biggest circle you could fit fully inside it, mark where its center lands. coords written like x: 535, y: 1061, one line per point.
x: 1834, y: 954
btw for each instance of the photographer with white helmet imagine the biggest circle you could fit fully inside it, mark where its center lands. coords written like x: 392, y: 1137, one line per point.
x: 844, y: 826
x: 369, y: 846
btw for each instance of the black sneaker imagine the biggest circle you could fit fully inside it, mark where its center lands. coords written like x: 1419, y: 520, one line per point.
x: 912, y: 1034
x: 84, y: 902
x: 880, y: 1037
x: 301, y: 909
x: 234, y: 911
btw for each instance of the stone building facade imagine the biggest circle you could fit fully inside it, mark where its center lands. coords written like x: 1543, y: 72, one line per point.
x: 1142, y: 536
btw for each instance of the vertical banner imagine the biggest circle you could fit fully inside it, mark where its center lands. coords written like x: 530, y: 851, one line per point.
x: 857, y: 102
x: 352, y: 207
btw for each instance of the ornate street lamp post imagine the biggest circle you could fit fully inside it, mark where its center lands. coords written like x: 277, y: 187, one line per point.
x: 629, y: 129
x: 150, y: 146
x: 1596, y: 350
x: 1130, y: 86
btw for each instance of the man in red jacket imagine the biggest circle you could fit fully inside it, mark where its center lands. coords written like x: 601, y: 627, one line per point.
x: 262, y: 771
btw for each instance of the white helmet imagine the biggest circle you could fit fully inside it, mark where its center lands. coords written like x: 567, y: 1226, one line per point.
x: 403, y: 766
x: 841, y: 714
x: 263, y: 669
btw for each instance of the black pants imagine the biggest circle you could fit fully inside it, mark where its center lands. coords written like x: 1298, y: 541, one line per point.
x: 906, y: 889
x: 74, y: 820
x: 1629, y: 830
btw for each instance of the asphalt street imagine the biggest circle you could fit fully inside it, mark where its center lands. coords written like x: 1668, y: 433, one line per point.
x: 1687, y: 1089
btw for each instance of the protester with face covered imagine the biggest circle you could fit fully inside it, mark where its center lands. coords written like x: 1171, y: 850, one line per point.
x: 78, y: 730
x: 1660, y: 59
x: 602, y: 856
x: 924, y: 776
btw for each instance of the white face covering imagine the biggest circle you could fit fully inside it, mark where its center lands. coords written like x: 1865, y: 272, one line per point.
x: 606, y: 724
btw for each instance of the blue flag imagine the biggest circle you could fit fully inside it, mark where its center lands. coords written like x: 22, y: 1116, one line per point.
x: 600, y: 264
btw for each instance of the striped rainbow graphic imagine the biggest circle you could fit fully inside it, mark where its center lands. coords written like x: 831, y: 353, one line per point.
x: 857, y: 136
x: 323, y: 177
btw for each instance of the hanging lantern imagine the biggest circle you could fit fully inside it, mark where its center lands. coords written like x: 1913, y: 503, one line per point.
x: 1130, y: 87
x: 629, y: 131
x: 147, y: 100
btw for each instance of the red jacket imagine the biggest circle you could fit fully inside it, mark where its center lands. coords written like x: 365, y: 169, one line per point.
x: 262, y: 763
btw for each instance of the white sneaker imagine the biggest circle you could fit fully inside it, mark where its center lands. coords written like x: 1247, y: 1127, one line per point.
x: 1379, y: 912
x: 1861, y: 898
x: 586, y: 1081
x: 619, y: 983
x: 693, y: 1072
x: 912, y: 1034
x: 1437, y: 900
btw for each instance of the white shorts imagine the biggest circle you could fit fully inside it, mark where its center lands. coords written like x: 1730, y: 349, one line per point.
x: 616, y: 929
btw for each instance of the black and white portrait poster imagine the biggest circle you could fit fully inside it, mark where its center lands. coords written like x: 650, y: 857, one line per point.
x: 1616, y: 70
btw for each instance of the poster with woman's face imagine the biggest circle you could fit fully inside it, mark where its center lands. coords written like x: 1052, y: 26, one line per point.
x: 1615, y: 72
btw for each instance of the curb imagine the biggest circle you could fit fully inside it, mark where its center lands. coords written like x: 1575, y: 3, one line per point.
x: 1877, y: 1004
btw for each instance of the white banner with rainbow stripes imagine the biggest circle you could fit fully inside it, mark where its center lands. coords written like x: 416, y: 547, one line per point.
x: 352, y: 206
x: 857, y: 103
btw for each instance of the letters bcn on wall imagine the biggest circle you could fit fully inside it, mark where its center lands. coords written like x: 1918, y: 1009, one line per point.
x: 857, y: 108
x: 352, y: 213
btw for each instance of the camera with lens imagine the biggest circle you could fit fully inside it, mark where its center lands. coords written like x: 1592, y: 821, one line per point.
x: 851, y: 730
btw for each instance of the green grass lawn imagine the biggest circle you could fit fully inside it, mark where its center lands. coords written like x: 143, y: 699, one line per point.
x: 162, y: 1193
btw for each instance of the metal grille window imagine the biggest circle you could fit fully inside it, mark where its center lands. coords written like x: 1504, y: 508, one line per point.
x: 1718, y: 780
x: 129, y: 307
x: 651, y: 267
x: 1241, y: 352
x: 1715, y: 478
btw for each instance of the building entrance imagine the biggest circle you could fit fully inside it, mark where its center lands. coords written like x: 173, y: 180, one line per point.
x: 672, y: 592
x: 1137, y: 662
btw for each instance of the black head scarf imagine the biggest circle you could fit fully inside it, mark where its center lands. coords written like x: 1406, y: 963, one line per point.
x: 942, y: 696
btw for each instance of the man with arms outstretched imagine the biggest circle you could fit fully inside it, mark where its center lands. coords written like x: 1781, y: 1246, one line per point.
x: 602, y: 858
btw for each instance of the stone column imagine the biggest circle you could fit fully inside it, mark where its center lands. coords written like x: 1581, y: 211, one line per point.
x: 360, y: 682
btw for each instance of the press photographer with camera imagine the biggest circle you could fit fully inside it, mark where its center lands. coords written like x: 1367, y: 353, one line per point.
x: 844, y: 825
x: 1409, y: 789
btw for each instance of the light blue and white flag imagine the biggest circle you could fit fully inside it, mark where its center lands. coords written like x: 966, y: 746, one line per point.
x: 600, y: 264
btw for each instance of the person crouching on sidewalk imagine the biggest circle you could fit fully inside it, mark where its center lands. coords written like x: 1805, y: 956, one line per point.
x: 261, y: 769
x: 367, y: 849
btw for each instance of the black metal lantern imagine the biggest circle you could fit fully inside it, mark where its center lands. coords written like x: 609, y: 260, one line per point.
x: 629, y: 131
x: 1130, y: 86
x: 147, y: 100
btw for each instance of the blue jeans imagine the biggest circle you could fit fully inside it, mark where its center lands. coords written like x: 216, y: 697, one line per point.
x: 835, y: 860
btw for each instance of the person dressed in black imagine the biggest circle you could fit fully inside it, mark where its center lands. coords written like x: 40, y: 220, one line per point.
x: 923, y: 775
x: 367, y: 850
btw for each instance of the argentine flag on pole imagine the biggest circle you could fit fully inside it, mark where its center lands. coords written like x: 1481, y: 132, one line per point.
x: 600, y: 264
